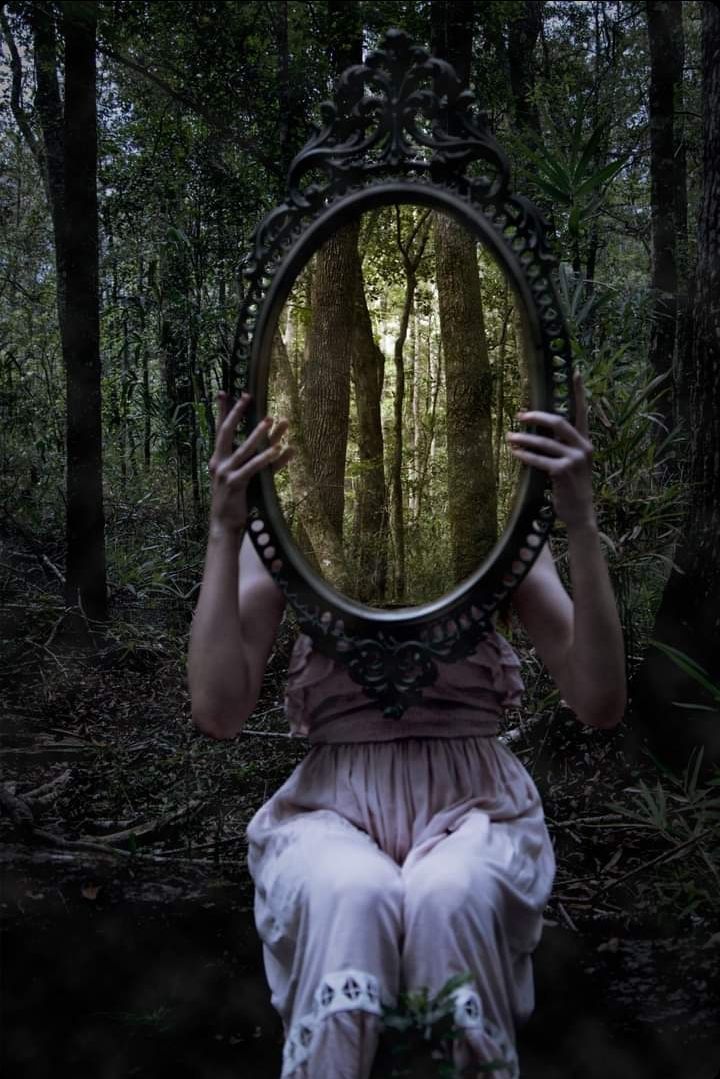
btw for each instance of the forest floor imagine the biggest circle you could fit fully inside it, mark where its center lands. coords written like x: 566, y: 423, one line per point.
x: 128, y: 945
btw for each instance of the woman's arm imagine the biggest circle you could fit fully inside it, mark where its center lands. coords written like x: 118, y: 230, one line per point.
x: 239, y: 607
x: 579, y: 639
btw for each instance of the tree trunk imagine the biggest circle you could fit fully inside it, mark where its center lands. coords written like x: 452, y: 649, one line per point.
x: 370, y: 531
x: 326, y: 400
x: 451, y: 29
x: 689, y: 613
x: 667, y: 185
x: 50, y: 111
x: 472, y: 508
x: 523, y: 32
x: 326, y: 555
x: 85, y: 577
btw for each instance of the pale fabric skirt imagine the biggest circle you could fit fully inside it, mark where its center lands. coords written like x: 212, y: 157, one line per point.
x: 389, y: 866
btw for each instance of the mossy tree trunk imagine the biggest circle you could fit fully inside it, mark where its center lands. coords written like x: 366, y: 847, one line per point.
x: 472, y: 507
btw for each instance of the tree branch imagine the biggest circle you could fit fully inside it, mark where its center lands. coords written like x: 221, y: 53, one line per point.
x: 217, y: 123
x: 18, y: 110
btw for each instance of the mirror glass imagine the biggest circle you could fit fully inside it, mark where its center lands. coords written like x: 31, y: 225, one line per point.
x: 400, y: 358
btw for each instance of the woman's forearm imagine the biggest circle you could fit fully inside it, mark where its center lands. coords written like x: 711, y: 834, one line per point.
x: 217, y: 666
x: 597, y: 655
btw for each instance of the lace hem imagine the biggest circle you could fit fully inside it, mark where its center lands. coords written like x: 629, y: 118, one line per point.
x: 340, y: 991
x: 468, y: 1015
x: 356, y: 990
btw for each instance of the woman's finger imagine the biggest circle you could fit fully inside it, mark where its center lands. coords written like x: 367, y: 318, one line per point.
x: 226, y: 430
x: 546, y: 464
x: 240, y: 477
x: 278, y: 431
x: 524, y: 440
x: 249, y: 446
x: 561, y: 427
x: 287, y: 455
x: 223, y: 406
x: 581, y: 415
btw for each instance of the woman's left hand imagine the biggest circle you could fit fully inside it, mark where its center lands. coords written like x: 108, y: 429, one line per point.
x: 567, y: 458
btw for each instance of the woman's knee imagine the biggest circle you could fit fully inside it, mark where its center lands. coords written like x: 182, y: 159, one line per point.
x: 443, y: 891
x: 354, y: 883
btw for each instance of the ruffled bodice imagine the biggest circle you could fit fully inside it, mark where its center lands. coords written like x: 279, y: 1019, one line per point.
x: 324, y: 704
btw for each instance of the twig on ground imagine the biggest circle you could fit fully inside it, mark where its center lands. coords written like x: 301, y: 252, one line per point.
x: 79, y: 844
x: 46, y: 792
x: 143, y: 830
x: 607, y: 818
x: 566, y: 917
x: 665, y: 856
x: 270, y: 734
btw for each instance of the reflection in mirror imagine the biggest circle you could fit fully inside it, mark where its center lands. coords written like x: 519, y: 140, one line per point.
x: 400, y: 358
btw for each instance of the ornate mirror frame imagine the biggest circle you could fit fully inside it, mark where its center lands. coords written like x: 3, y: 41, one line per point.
x: 402, y: 129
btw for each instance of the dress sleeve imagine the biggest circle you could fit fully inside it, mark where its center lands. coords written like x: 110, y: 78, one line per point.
x: 307, y: 667
x: 503, y: 666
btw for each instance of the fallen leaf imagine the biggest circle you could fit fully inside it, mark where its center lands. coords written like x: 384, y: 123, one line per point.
x: 611, y: 945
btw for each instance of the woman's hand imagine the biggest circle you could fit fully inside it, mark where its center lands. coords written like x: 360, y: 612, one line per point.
x: 231, y: 469
x: 567, y: 458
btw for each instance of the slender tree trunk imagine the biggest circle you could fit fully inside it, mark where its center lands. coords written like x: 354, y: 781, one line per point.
x: 370, y: 530
x: 411, y: 250
x: 523, y: 33
x: 85, y: 577
x: 500, y: 382
x: 326, y: 400
x: 667, y: 185
x: 472, y: 509
x: 326, y: 553
x: 50, y: 110
x: 689, y: 613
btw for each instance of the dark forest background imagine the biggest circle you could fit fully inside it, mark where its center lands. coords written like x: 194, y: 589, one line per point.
x: 140, y: 144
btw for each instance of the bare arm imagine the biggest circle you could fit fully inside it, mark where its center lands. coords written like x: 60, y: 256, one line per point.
x: 233, y: 631
x: 579, y: 639
x: 239, y: 607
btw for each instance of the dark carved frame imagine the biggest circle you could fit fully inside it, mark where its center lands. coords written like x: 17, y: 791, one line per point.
x: 402, y: 128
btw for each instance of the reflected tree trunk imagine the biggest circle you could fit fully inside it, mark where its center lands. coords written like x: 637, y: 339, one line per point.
x: 411, y: 250
x: 370, y: 527
x: 472, y: 508
x: 326, y: 552
x: 500, y: 383
x: 326, y: 397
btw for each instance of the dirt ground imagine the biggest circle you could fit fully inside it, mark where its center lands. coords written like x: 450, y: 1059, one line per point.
x: 128, y: 945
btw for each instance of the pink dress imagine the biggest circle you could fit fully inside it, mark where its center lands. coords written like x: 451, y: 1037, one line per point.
x: 400, y: 852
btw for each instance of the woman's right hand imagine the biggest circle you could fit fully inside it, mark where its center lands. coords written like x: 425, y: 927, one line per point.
x: 231, y: 469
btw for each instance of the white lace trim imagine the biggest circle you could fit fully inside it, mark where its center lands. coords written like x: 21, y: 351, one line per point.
x: 356, y: 990
x: 340, y: 991
x: 468, y: 1014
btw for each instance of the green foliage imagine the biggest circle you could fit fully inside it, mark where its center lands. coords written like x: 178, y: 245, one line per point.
x: 694, y: 671
x: 640, y: 494
x: 681, y: 817
x: 420, y: 1027
x: 573, y: 180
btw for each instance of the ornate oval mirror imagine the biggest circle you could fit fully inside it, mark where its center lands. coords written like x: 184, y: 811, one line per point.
x: 400, y: 311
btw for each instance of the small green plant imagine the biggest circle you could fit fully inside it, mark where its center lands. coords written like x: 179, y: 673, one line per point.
x: 683, y: 813
x: 419, y: 1027
x: 694, y: 671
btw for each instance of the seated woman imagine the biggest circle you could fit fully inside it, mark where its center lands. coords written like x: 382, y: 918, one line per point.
x: 401, y: 852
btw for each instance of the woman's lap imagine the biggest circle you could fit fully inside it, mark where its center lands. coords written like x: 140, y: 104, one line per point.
x: 345, y: 928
